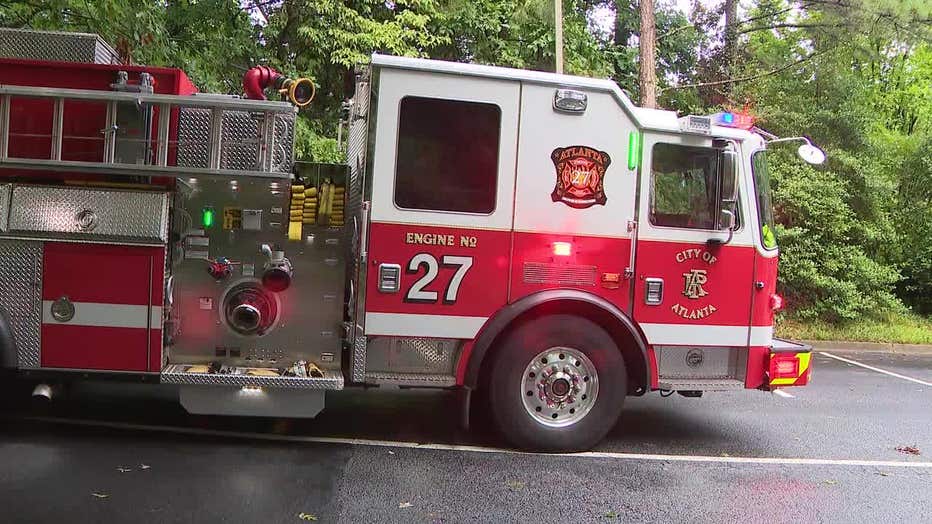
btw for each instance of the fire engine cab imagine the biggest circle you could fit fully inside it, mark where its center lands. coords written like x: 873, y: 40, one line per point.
x: 531, y: 240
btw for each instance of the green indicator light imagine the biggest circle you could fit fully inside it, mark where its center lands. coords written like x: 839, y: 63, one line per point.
x: 634, y: 149
x: 207, y: 217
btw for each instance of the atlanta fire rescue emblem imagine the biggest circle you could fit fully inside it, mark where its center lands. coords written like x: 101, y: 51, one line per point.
x: 580, y: 176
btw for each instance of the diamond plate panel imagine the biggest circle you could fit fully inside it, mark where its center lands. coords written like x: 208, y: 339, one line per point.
x: 356, y: 145
x: 411, y: 355
x: 193, y: 137
x: 239, y: 140
x: 411, y: 379
x: 685, y: 362
x: 709, y: 384
x: 21, y: 296
x: 283, y: 155
x: 56, y: 46
x: 5, y: 190
x: 356, y: 158
x: 543, y: 273
x: 90, y: 213
x: 359, y: 360
x: 173, y: 374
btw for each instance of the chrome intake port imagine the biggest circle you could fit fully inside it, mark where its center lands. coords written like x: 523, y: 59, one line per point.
x: 250, y: 310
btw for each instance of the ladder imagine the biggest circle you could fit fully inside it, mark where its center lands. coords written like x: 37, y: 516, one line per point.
x: 166, y: 109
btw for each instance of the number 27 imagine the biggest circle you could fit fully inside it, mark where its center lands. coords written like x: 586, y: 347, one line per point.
x: 417, y: 293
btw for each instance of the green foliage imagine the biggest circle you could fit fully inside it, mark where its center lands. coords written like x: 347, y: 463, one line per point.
x: 895, y: 329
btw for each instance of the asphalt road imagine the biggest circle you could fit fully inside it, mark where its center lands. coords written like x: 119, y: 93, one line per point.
x: 669, y: 460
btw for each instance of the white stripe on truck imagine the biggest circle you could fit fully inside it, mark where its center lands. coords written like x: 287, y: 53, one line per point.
x: 95, y: 314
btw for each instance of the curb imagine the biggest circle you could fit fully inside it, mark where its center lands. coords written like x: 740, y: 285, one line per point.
x: 884, y: 347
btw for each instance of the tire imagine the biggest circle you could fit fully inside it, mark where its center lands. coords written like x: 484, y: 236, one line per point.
x: 550, y: 407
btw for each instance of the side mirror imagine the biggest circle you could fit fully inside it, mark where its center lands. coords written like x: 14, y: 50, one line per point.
x: 811, y: 154
x: 728, y: 192
x: 727, y: 219
x: 729, y: 176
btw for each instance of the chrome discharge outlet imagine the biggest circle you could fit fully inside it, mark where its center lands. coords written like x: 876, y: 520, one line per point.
x: 246, y: 318
x: 43, y: 391
x: 250, y: 310
x: 278, y: 272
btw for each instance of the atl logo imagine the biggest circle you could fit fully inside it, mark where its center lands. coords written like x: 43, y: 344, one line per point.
x: 693, y: 281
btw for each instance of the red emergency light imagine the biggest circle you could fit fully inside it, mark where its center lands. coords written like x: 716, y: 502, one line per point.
x: 784, y: 366
x: 776, y: 302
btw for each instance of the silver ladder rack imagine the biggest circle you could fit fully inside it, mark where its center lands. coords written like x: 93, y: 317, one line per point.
x: 264, y: 111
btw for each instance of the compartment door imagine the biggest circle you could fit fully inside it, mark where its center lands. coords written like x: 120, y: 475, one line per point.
x: 97, y: 307
x: 574, y: 199
x: 442, y: 201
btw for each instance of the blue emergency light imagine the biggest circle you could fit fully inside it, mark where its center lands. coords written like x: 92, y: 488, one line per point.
x: 729, y: 119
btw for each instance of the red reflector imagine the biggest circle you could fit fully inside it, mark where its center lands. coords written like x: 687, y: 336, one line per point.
x: 562, y: 249
x: 784, y: 367
x: 776, y: 302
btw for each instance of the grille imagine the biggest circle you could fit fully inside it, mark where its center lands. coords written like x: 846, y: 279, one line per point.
x: 542, y: 273
x: 56, y: 46
x: 21, y: 296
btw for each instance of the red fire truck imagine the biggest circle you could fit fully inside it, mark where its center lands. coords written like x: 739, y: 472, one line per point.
x: 533, y: 241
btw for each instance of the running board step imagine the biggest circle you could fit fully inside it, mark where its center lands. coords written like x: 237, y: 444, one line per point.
x: 700, y: 384
x: 248, y: 377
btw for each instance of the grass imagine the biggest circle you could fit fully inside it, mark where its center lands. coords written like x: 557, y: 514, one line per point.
x: 898, y: 329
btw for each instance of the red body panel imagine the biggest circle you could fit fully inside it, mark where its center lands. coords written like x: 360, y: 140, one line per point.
x: 484, y: 287
x: 607, y: 255
x: 765, y: 271
x: 101, y: 277
x: 728, y: 281
x: 758, y: 361
x: 100, y: 348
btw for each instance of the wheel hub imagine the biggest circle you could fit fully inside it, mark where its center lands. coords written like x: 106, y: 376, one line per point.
x: 559, y: 386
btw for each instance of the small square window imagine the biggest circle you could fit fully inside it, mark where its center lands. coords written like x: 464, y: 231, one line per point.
x: 447, y: 158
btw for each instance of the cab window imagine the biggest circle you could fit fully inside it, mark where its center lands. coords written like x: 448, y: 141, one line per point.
x: 683, y: 186
x: 764, y: 200
x: 447, y: 156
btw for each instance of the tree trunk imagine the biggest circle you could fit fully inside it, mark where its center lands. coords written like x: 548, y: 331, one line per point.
x: 730, y: 52
x: 647, y: 75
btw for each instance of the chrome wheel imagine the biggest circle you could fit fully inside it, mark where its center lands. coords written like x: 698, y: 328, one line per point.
x: 559, y: 387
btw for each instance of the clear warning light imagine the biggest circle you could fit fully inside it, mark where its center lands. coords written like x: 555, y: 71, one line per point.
x: 562, y: 249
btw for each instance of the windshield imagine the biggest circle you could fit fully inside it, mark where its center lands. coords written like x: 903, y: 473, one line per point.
x: 764, y: 201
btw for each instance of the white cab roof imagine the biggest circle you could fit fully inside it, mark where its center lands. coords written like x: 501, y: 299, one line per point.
x: 644, y: 118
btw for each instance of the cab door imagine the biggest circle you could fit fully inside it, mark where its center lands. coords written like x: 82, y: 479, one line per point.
x: 693, y: 284
x: 574, y: 197
x: 442, y: 203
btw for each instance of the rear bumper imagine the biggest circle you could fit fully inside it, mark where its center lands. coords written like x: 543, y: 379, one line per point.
x: 789, y: 364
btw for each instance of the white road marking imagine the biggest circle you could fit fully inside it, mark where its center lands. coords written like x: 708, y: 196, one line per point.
x: 781, y: 393
x: 480, y: 449
x: 878, y: 370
